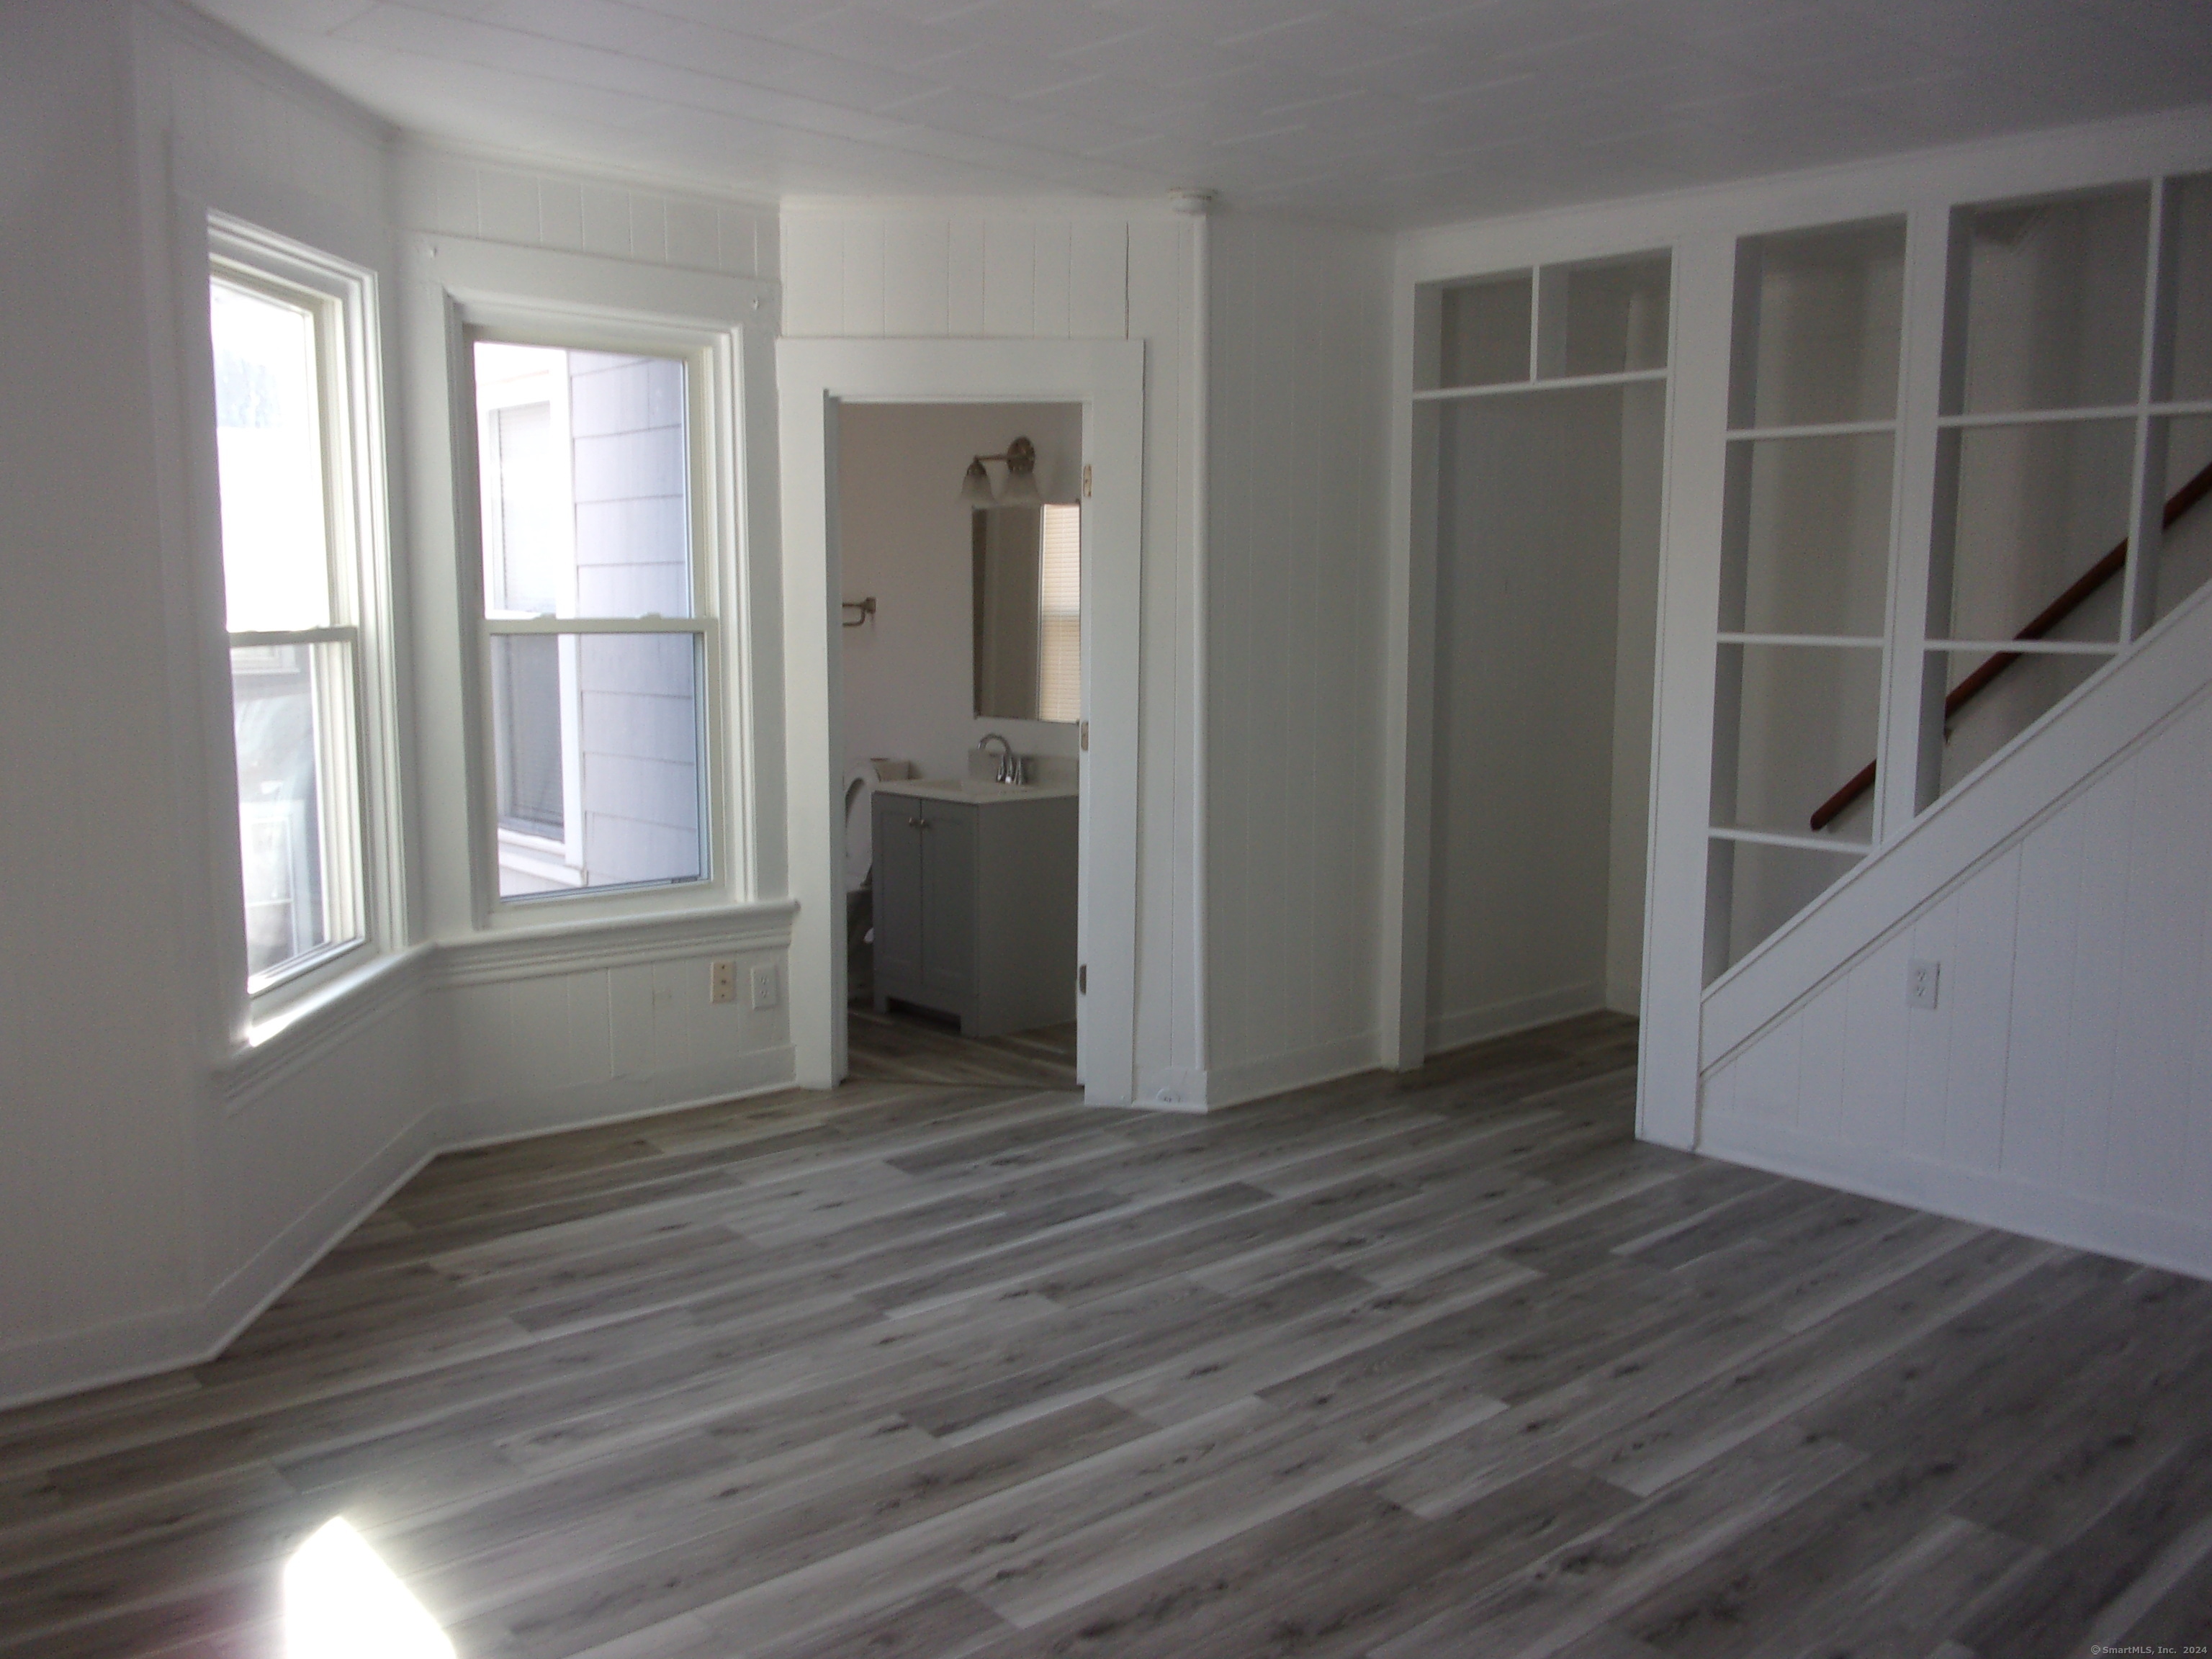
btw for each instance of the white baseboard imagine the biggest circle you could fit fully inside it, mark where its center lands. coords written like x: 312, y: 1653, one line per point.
x: 192, y: 1335
x: 1496, y: 1019
x: 168, y: 1339
x: 2156, y: 1238
x: 468, y: 1124
x: 1275, y: 1074
x: 1171, y: 1088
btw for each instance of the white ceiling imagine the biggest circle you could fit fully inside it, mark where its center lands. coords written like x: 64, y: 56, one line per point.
x: 1392, y: 112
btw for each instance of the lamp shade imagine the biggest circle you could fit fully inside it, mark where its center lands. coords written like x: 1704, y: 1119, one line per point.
x: 1021, y: 489
x: 975, y: 487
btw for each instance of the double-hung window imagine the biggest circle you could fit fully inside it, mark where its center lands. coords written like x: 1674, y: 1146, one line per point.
x: 597, y: 641
x: 293, y: 424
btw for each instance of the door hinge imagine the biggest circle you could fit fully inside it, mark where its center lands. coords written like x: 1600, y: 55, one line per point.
x: 1086, y: 479
x: 1083, y: 742
x: 1082, y: 979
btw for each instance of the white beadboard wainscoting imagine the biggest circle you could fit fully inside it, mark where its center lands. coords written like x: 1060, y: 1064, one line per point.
x: 2062, y: 1086
x: 445, y: 1047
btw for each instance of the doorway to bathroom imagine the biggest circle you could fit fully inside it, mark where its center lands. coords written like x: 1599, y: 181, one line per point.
x: 960, y: 685
x: 975, y: 834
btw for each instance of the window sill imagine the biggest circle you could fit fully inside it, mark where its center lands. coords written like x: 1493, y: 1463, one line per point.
x: 557, y: 947
x: 312, y: 1023
x: 318, y: 1022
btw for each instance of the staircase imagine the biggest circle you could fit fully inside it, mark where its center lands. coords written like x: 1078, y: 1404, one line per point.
x: 2062, y: 1085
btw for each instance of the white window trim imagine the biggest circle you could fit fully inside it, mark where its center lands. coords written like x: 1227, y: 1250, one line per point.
x: 349, y: 345
x: 715, y: 440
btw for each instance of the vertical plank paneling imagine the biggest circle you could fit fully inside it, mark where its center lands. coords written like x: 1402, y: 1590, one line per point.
x: 1235, y: 749
x: 1051, y: 289
x: 1926, y: 1033
x: 916, y: 267
x: 606, y: 221
x: 2092, y: 1011
x: 963, y: 279
x: 1098, y: 279
x: 738, y: 243
x: 1299, y: 325
x: 2163, y: 945
x: 864, y: 277
x: 692, y: 236
x: 1768, y: 1072
x: 2043, y: 974
x: 2069, y: 1054
x: 1873, y: 1057
x: 1158, y: 293
x: 507, y: 205
x: 648, y: 226
x: 1977, y: 1002
x: 814, y: 276
x: 560, y: 213
x: 1009, y: 278
x: 1824, y: 1037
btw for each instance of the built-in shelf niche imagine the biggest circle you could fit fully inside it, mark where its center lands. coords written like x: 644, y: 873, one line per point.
x: 2076, y: 404
x: 2048, y: 303
x: 1806, y: 530
x: 1586, y: 319
x: 1819, y: 315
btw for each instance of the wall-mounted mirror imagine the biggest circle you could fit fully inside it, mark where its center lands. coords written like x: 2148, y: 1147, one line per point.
x: 1028, y: 612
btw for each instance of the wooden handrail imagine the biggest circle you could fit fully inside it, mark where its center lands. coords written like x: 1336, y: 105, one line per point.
x: 2046, y: 619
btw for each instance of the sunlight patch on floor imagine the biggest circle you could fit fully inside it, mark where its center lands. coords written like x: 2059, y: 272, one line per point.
x: 341, y: 1601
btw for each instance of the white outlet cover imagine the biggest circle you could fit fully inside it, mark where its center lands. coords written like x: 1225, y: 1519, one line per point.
x: 767, y: 993
x: 1923, y: 982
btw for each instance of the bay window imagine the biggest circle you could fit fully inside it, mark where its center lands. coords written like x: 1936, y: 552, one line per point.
x: 293, y: 424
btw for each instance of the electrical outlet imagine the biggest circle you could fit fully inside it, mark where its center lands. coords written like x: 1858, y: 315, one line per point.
x: 726, y: 982
x: 767, y: 990
x: 1921, y: 980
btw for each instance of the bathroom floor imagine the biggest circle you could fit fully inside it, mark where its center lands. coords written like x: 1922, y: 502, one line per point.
x: 903, y: 1046
x: 906, y: 1045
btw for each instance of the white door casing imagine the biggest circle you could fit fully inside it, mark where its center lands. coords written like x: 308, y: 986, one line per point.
x: 814, y: 378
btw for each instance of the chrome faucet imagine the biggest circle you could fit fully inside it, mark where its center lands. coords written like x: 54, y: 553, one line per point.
x: 1010, y: 763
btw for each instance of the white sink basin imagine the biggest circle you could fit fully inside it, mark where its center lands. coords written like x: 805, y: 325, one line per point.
x: 976, y: 789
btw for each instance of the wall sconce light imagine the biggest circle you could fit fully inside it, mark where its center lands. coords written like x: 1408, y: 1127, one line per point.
x: 1021, y: 490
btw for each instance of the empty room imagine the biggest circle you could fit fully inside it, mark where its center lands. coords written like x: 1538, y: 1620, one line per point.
x: 1111, y: 829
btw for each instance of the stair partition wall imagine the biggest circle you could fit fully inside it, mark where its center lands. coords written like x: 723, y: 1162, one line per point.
x: 2070, y: 388
x: 1935, y: 457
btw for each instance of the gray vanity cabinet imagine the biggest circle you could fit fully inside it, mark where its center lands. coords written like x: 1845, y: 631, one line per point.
x: 974, y: 907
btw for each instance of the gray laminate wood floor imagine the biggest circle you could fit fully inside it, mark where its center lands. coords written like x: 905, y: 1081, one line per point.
x: 903, y: 1046
x: 1436, y: 1366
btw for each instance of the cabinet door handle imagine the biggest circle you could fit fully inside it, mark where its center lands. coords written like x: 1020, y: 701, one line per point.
x: 914, y: 823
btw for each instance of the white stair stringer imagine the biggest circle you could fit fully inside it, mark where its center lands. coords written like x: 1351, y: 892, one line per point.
x: 2062, y: 1084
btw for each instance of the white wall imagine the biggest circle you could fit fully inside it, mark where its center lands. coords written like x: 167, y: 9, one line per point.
x: 105, y: 1183
x: 904, y: 539
x: 1294, y: 592
x: 1533, y: 723
x: 1275, y: 632
x: 1064, y: 271
x: 164, y: 1179
x: 1635, y: 658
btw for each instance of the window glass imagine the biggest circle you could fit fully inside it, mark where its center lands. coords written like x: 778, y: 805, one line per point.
x: 585, y: 494
x: 294, y: 718
x: 1060, y: 612
x: 269, y: 443
x: 597, y: 727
